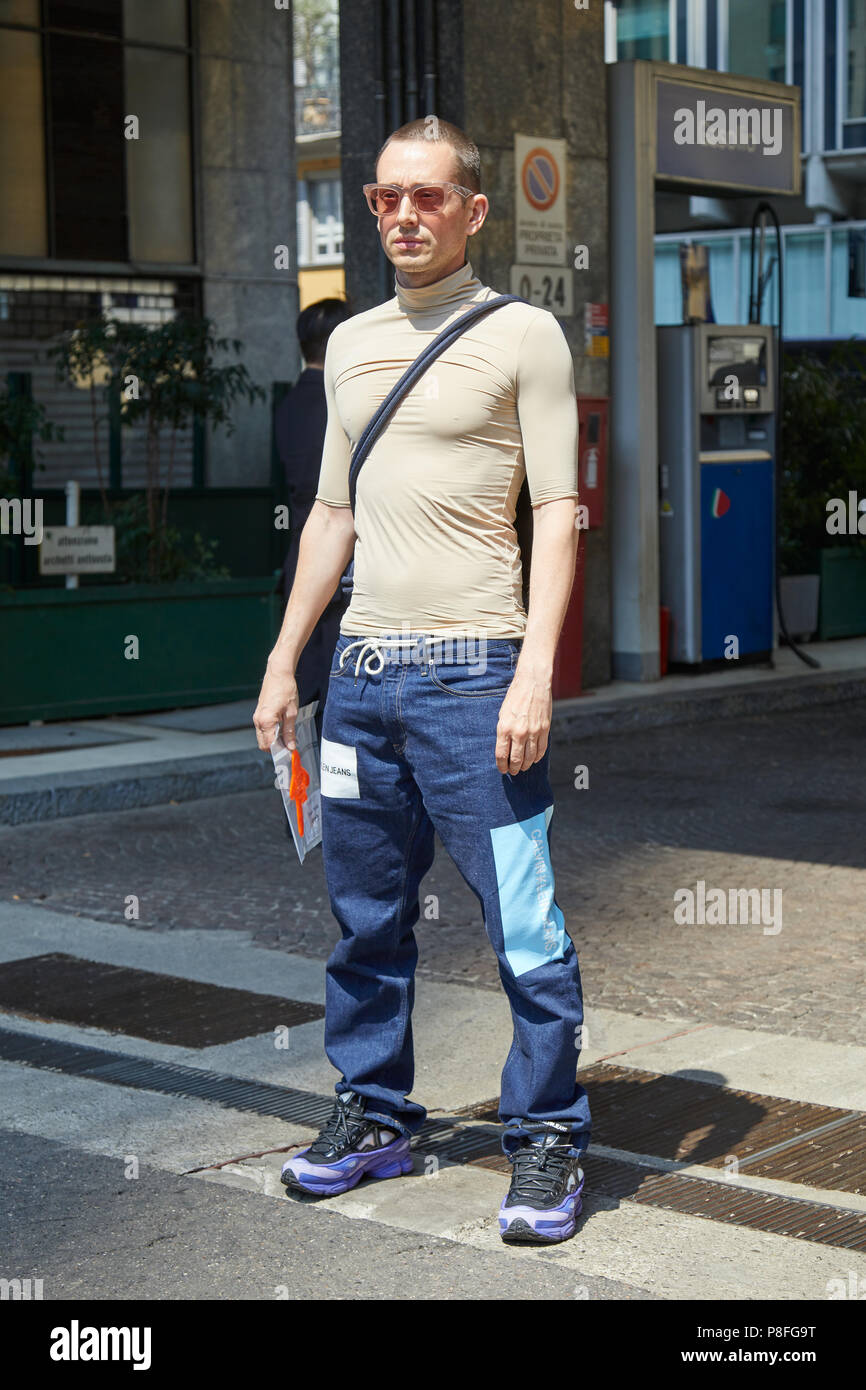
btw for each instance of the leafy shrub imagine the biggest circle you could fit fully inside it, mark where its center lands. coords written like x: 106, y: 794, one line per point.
x: 823, y: 448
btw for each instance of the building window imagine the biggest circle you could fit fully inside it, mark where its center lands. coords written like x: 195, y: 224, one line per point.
x: 643, y: 30
x: 158, y: 167
x: 831, y: 141
x: 712, y: 32
x: 756, y: 38
x: 84, y: 190
x: 316, y: 37
x: 23, y: 224
x: 320, y: 219
x: 682, y: 32
x: 156, y: 21
x: 854, y: 81
x: 822, y: 279
x: 798, y: 73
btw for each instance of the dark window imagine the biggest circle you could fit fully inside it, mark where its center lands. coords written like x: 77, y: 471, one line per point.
x: 682, y: 37
x: 82, y: 189
x: 94, y: 16
x: 797, y: 76
x: 642, y: 30
x: 798, y: 73
x: 852, y: 97
x: 856, y: 263
x: 829, y: 74
x: 712, y: 33
x: 85, y: 85
x: 756, y: 38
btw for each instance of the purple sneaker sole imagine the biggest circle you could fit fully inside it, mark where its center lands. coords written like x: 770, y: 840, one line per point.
x: 330, y: 1179
x: 531, y: 1226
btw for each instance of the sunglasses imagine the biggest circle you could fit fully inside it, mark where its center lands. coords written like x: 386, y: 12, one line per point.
x: 425, y: 197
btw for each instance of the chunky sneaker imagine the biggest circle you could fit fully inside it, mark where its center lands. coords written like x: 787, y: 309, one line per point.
x: 544, y: 1198
x: 348, y: 1146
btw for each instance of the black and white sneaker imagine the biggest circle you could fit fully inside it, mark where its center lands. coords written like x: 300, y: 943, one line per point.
x: 348, y: 1146
x: 544, y: 1199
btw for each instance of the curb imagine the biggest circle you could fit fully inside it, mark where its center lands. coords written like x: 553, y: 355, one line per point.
x: 575, y: 718
x: 25, y: 800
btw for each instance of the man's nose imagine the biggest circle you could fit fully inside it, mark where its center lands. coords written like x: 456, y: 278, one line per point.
x: 406, y: 211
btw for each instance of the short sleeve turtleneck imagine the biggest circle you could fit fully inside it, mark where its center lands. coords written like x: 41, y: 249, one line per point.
x: 434, y: 507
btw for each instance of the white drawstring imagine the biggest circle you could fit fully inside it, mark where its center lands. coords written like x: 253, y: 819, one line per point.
x: 375, y: 644
x: 371, y: 647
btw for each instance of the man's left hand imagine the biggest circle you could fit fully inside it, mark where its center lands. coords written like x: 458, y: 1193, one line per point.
x: 524, y: 721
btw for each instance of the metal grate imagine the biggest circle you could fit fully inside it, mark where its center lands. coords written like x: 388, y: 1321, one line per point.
x: 141, y: 1003
x: 37, y: 306
x: 167, y: 1078
x: 835, y: 1158
x: 760, y: 1211
x: 690, y: 1121
x: 449, y: 1140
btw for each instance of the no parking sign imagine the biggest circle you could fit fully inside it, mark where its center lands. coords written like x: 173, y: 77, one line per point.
x: 539, y: 227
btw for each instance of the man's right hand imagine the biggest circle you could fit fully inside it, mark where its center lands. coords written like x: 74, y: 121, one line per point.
x: 277, y: 709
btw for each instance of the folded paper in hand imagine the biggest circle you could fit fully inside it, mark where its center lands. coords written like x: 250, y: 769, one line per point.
x: 298, y: 780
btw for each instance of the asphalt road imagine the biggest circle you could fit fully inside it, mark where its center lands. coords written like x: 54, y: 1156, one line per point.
x: 76, y: 1223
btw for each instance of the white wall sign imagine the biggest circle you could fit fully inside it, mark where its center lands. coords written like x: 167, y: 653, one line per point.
x: 550, y: 288
x: 77, y: 550
x: 539, y: 222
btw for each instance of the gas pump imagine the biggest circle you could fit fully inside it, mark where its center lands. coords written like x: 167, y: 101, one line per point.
x: 716, y: 443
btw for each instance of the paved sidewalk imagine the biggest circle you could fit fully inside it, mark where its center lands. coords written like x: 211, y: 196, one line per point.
x: 214, y: 1168
x: 55, y: 770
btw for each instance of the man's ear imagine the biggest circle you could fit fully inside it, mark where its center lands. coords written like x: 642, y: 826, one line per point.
x: 479, y: 215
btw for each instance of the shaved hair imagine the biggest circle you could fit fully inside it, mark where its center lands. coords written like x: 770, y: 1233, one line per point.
x: 467, y: 160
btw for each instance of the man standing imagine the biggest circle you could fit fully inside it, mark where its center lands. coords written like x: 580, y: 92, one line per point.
x: 419, y: 734
x: 300, y: 420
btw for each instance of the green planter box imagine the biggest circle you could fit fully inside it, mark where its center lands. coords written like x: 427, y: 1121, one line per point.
x: 842, y: 611
x: 63, y: 651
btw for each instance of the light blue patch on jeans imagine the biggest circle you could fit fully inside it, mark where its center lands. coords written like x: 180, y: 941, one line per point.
x: 533, y: 926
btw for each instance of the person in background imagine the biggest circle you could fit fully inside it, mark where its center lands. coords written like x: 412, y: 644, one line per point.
x: 299, y: 431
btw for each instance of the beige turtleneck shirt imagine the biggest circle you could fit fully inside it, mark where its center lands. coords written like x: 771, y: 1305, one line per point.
x: 436, y: 550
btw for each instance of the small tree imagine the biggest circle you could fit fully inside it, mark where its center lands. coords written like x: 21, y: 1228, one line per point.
x: 167, y: 376
x: 85, y: 357
x: 21, y: 421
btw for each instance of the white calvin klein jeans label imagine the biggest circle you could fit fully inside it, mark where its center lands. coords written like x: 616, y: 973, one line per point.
x: 339, y: 769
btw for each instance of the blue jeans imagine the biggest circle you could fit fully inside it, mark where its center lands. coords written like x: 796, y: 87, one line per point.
x: 408, y: 744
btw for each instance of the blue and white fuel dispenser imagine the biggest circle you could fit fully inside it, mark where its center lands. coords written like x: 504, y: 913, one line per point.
x: 716, y: 449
